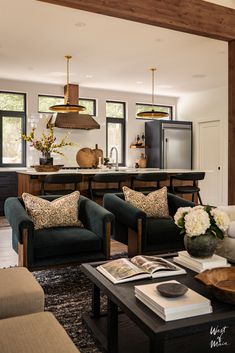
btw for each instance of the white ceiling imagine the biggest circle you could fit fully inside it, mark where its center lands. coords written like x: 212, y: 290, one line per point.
x: 226, y: 3
x: 108, y: 53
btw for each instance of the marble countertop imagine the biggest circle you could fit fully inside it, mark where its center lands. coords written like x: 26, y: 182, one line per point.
x: 31, y: 171
x: 12, y: 169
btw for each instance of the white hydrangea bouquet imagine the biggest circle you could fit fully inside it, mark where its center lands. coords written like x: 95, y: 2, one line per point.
x: 201, y: 220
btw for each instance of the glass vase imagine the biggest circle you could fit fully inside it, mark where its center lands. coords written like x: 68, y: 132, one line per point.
x: 46, y: 159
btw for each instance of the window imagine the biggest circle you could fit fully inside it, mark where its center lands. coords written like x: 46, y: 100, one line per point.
x: 45, y: 102
x: 115, y: 128
x: 162, y: 108
x: 89, y: 104
x: 12, y: 124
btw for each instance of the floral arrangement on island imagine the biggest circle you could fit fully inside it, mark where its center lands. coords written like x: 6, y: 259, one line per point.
x: 47, y: 143
x: 202, y: 220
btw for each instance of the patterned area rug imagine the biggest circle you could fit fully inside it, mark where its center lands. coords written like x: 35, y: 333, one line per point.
x: 68, y: 297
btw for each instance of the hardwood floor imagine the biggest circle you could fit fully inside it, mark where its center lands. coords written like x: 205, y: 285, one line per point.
x: 8, y: 257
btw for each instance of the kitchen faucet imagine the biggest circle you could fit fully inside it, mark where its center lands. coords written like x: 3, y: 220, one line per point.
x: 110, y: 155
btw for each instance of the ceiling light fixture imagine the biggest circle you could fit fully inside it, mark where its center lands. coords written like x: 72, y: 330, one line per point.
x: 153, y: 113
x: 67, y: 107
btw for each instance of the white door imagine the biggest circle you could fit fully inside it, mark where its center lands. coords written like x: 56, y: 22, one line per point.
x: 209, y: 157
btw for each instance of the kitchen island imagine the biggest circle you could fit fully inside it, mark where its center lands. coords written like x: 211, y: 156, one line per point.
x: 29, y: 180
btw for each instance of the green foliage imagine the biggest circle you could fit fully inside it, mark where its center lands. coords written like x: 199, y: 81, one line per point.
x: 115, y: 110
x: 12, y: 101
x: 47, y: 143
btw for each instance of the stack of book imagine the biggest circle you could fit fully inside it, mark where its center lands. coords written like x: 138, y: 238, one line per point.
x: 199, y: 265
x: 189, y: 305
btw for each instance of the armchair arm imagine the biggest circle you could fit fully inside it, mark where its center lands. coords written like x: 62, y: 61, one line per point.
x: 17, y: 217
x: 124, y: 212
x: 98, y: 220
x: 174, y: 202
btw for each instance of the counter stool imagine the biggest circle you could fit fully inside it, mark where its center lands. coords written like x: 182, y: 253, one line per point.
x: 187, y: 189
x: 148, y: 177
x: 58, y: 179
x: 115, y: 178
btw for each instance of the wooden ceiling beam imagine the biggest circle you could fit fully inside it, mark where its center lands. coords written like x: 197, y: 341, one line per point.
x: 191, y: 16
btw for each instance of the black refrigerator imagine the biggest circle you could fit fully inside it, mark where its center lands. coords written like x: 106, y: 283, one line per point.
x: 168, y: 144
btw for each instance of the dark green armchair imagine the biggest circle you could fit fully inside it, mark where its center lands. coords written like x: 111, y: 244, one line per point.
x: 60, y: 245
x: 145, y: 235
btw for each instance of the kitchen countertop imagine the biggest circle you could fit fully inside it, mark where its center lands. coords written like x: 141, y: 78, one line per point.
x: 12, y: 169
x: 31, y: 171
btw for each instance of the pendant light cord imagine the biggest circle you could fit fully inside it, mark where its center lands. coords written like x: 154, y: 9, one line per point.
x: 68, y: 57
x: 153, y: 70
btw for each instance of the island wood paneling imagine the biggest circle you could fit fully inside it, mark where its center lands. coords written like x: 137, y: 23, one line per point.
x: 191, y: 16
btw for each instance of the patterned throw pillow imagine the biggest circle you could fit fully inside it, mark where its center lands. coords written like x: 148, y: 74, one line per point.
x: 154, y: 204
x: 61, y: 212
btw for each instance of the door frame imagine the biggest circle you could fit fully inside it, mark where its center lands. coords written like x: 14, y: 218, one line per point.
x: 221, y: 161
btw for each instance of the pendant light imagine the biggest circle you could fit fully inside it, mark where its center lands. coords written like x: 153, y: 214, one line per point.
x: 153, y: 113
x: 67, y: 107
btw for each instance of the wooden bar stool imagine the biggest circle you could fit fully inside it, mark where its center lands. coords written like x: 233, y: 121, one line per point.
x: 114, y: 178
x: 72, y: 180
x: 187, y: 189
x: 143, y: 178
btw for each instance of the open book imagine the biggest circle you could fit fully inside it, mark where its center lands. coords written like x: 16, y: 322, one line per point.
x: 139, y: 267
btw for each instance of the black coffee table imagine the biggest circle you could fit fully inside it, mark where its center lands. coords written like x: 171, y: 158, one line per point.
x: 129, y: 326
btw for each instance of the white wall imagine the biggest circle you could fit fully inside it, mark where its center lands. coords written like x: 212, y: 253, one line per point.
x: 208, y: 106
x: 81, y: 137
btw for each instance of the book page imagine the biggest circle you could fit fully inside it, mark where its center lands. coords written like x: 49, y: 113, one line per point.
x: 121, y: 269
x: 152, y: 264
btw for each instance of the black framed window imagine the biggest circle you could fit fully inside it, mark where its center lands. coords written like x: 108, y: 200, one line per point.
x: 45, y: 102
x: 12, y: 124
x: 116, y: 128
x: 142, y: 107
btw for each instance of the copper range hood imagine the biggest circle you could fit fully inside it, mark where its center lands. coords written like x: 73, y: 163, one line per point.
x: 74, y: 120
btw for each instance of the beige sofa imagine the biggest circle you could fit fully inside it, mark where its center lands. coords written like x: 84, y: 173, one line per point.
x: 24, y: 326
x: 226, y: 247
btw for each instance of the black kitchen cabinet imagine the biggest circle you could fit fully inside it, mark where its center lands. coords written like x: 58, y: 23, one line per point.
x: 8, y: 187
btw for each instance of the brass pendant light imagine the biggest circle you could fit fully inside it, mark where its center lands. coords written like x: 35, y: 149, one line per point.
x: 153, y: 113
x: 67, y: 107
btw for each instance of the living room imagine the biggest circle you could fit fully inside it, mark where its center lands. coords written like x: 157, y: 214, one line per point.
x: 198, y: 64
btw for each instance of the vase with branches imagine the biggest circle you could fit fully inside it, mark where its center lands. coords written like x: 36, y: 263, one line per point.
x: 47, y: 143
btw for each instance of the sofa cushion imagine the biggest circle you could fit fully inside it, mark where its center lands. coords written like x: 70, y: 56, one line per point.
x: 60, y: 212
x: 34, y: 333
x: 231, y: 229
x: 65, y: 241
x: 154, y: 204
x: 230, y: 210
x: 20, y: 293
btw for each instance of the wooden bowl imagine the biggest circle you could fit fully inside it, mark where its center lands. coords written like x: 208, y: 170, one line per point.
x: 47, y: 168
x: 221, y: 281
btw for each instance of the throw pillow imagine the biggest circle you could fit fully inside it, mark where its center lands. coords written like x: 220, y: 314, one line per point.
x: 61, y: 212
x: 154, y: 204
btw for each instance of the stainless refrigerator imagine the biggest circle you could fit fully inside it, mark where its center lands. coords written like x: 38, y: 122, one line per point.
x: 168, y: 144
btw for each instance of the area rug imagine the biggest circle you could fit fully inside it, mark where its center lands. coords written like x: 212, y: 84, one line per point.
x: 68, y: 296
